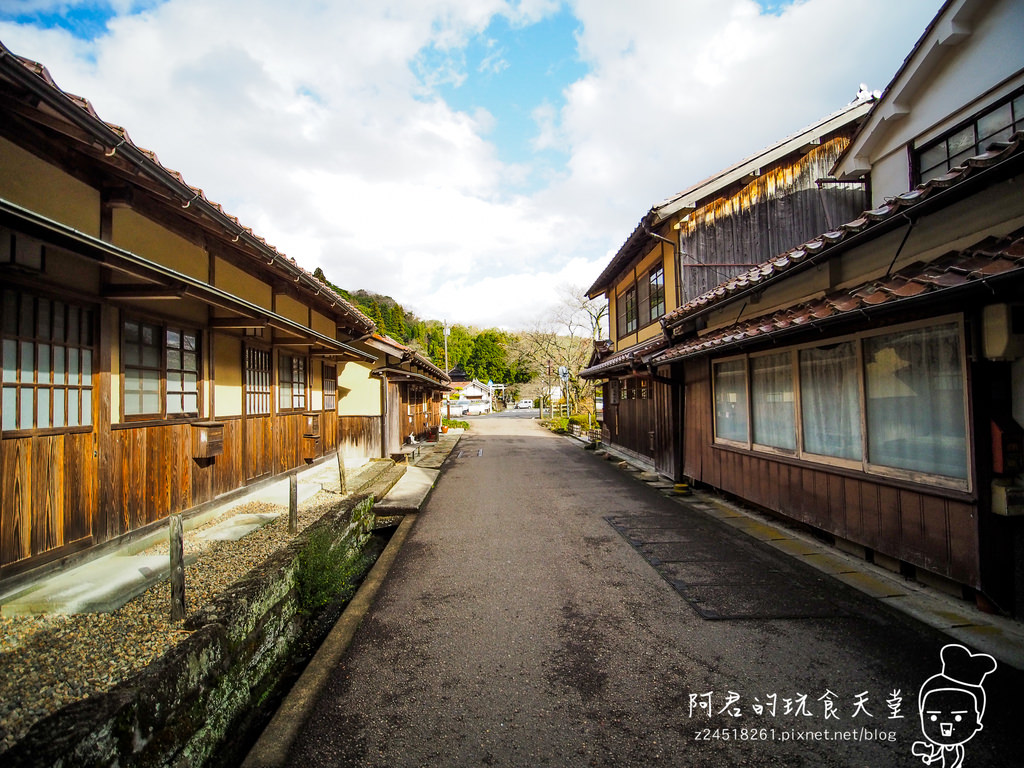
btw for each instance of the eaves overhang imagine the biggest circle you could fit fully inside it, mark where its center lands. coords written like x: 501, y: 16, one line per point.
x: 79, y: 112
x: 400, y: 374
x: 636, y: 357
x: 406, y: 354
x: 629, y: 250
x: 991, y: 270
x: 81, y: 245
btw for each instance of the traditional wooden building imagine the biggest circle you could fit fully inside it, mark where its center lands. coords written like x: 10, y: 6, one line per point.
x: 412, y: 388
x: 156, y: 353
x: 692, y: 241
x: 869, y: 381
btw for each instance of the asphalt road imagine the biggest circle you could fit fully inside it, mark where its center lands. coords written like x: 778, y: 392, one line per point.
x: 525, y: 623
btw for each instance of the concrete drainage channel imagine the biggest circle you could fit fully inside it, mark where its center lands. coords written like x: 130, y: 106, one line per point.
x: 207, y: 700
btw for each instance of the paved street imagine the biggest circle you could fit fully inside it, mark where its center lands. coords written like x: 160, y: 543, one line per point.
x: 549, y: 609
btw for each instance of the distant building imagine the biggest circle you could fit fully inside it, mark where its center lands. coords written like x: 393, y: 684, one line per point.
x: 468, y: 396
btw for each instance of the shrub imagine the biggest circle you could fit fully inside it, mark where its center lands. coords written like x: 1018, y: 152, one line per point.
x: 328, y: 571
x: 559, y: 424
x: 455, y: 424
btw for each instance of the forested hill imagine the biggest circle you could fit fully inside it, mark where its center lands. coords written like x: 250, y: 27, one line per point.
x: 484, y: 354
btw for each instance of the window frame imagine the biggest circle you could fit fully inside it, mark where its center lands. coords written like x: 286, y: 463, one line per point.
x: 639, y: 302
x: 258, y: 395
x: 752, y: 415
x: 864, y: 464
x: 74, y: 348
x: 715, y: 420
x: 978, y: 144
x: 162, y: 327
x: 656, y: 288
x: 329, y: 383
x: 299, y: 400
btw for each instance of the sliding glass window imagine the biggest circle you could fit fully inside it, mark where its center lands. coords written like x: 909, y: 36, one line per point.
x: 772, y: 400
x: 830, y: 400
x: 730, y: 382
x: 915, y: 401
x: 889, y: 403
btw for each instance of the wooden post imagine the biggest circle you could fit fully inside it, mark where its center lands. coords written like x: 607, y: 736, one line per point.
x: 341, y: 473
x: 293, y: 504
x: 177, y: 546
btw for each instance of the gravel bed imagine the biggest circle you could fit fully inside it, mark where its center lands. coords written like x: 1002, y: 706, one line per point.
x: 47, y: 662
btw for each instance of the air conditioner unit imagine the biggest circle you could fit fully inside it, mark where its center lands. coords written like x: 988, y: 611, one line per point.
x: 1003, y: 331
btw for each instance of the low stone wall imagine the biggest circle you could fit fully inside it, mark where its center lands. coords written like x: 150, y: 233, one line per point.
x: 186, y: 708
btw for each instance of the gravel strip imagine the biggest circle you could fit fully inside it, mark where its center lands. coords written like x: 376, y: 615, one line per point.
x: 47, y: 662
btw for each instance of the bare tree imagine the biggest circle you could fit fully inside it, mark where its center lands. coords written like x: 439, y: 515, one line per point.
x: 565, y: 337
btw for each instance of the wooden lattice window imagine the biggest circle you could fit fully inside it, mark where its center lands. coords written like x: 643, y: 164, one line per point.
x: 258, y: 378
x: 292, y: 383
x: 48, y: 350
x: 161, y: 370
x: 330, y: 379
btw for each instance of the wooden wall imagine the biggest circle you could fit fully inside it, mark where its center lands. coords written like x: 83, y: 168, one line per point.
x: 936, y: 531
x: 360, y: 436
x: 48, y: 490
x: 47, y: 496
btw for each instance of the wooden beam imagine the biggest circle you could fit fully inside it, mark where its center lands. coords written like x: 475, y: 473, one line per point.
x: 142, y: 291
x: 223, y: 323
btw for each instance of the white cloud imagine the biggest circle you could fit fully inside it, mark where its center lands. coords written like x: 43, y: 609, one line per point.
x: 319, y: 124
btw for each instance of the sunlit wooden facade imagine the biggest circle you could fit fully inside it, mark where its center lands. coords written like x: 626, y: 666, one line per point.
x: 157, y: 354
x: 868, y: 379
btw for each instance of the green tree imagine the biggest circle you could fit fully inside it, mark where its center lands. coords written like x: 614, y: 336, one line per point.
x: 488, y: 359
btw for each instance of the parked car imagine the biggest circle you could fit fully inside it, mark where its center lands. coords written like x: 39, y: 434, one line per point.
x: 524, y: 404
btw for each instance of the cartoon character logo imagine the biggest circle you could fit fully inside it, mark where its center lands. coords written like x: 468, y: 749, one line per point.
x: 952, y: 704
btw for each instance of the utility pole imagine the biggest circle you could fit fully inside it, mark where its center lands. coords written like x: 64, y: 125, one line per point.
x: 446, y: 332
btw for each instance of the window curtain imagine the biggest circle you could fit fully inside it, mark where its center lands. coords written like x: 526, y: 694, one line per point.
x: 771, y: 396
x: 915, y: 401
x: 730, y: 382
x: 829, y: 401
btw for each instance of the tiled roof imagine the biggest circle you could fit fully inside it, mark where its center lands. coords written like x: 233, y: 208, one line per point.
x: 625, y: 358
x: 990, y: 260
x: 411, y: 355
x: 796, y: 257
x: 233, y: 228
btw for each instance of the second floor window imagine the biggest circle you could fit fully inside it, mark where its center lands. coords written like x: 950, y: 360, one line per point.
x: 626, y: 312
x: 997, y: 124
x: 656, y: 286
x: 642, y: 302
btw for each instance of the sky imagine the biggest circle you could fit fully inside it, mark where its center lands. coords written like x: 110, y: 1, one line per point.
x: 469, y: 158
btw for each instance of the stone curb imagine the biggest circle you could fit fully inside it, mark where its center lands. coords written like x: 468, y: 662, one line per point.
x: 275, y: 743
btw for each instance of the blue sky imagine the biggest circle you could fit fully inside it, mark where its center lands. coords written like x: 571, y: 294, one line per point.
x: 510, y: 70
x: 467, y: 157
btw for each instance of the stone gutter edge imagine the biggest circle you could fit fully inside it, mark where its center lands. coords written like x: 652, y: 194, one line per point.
x: 274, y: 744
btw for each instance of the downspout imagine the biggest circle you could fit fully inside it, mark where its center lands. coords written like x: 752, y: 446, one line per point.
x: 384, y: 415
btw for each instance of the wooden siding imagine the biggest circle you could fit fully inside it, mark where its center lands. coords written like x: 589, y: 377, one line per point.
x: 47, y: 495
x: 923, y: 527
x: 782, y: 207
x: 359, y: 436
x: 48, y: 490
